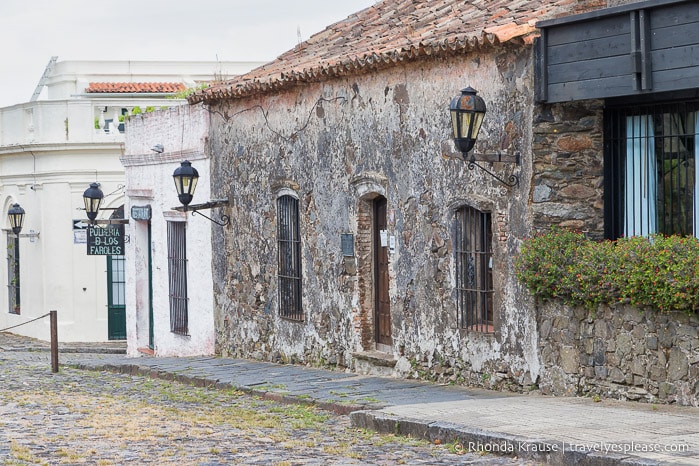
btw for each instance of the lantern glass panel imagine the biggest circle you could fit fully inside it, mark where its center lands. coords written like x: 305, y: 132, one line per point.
x: 92, y: 205
x: 189, y: 184
x: 477, y: 121
x: 185, y: 178
x: 16, y: 218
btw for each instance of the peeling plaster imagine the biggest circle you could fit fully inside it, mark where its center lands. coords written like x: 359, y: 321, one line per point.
x: 391, y: 139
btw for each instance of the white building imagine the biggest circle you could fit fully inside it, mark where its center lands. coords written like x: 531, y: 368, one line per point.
x: 70, y: 134
x: 169, y: 289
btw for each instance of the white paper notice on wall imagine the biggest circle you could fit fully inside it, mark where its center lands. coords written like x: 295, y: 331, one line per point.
x: 392, y: 244
x: 383, y: 234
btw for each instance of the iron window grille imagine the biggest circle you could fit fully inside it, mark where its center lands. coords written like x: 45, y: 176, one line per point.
x: 289, y: 246
x: 649, y: 170
x: 177, y: 268
x: 474, y: 270
x: 13, y: 274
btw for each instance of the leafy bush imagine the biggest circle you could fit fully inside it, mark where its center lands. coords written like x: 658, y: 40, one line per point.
x: 661, y: 272
x: 545, y: 259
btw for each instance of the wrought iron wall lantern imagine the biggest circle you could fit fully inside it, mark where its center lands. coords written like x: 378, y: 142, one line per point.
x: 467, y: 112
x: 186, y: 177
x: 16, y: 217
x: 93, y: 198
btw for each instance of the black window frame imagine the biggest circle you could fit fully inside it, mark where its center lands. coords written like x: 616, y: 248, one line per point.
x: 289, y: 271
x: 13, y: 275
x: 659, y: 133
x: 177, y: 277
x: 473, y: 250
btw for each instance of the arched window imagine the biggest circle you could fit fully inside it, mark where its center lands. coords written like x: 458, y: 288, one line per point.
x: 13, y: 273
x: 289, y: 247
x: 474, y: 269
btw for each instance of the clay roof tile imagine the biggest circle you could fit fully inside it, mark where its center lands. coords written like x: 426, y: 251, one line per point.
x: 392, y: 31
x: 134, y: 88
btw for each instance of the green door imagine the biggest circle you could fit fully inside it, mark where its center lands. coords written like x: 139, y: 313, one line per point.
x: 116, y: 296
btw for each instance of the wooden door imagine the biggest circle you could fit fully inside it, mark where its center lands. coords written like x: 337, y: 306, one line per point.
x: 382, y: 303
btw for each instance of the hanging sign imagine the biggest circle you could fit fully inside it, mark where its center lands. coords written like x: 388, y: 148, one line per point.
x: 105, y: 241
x: 141, y: 212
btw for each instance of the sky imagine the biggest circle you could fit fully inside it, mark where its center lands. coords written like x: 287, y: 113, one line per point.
x: 32, y: 31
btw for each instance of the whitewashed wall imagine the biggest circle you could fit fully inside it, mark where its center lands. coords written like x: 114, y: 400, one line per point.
x: 50, y: 152
x: 55, y: 272
x: 183, y: 132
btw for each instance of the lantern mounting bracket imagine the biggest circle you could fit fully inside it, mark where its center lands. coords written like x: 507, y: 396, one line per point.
x: 467, y: 111
x: 512, y: 180
x: 195, y: 209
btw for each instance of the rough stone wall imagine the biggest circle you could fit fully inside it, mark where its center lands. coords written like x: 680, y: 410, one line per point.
x: 336, y: 145
x: 568, y: 167
x: 620, y: 352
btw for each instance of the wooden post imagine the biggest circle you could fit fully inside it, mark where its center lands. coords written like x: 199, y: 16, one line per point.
x: 54, y: 341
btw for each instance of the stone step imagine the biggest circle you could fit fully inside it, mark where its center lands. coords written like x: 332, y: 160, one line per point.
x: 374, y: 363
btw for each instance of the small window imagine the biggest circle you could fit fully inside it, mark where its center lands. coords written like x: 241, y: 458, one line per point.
x: 13, y: 273
x: 177, y: 269
x: 289, y: 246
x: 650, y: 167
x: 474, y: 270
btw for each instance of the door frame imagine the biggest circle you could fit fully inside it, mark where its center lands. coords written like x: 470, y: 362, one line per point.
x: 116, y: 313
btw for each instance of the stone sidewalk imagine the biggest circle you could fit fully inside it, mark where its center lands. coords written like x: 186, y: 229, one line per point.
x: 544, y: 429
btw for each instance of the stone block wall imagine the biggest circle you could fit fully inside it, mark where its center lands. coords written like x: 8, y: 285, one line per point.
x: 616, y: 352
x: 568, y: 167
x: 619, y: 352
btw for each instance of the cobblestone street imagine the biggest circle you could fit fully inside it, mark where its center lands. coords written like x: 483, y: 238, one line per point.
x: 84, y: 417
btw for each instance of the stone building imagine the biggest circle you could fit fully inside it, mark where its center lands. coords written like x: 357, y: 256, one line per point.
x: 362, y: 239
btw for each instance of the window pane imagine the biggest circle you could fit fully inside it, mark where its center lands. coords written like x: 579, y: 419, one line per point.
x: 650, y: 167
x: 117, y: 264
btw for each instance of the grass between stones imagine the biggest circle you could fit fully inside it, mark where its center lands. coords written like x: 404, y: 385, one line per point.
x: 79, y: 417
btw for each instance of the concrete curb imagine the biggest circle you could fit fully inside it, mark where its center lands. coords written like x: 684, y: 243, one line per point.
x: 368, y: 416
x: 540, y: 450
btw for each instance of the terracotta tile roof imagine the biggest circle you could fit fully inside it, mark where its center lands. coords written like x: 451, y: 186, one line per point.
x: 394, y: 31
x: 133, y: 88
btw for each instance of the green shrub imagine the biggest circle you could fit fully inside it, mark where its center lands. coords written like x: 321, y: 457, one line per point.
x: 545, y: 259
x: 661, y: 272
